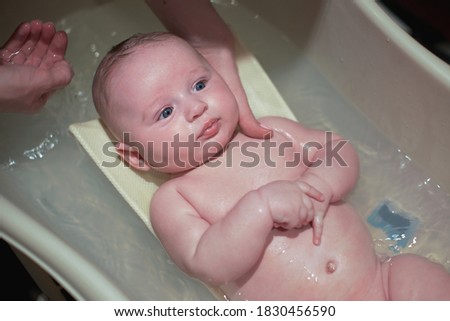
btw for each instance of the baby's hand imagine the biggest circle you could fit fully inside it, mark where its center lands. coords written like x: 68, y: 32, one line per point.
x: 291, y: 205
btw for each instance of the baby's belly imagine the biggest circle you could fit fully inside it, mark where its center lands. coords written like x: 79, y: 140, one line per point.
x: 293, y: 268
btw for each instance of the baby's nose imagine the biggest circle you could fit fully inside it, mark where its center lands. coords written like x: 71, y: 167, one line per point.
x: 196, y: 109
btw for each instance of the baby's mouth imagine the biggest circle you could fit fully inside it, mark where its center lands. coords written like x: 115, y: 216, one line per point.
x: 210, y: 128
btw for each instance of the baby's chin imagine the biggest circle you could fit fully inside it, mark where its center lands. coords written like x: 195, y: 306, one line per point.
x: 182, y: 166
x: 187, y: 159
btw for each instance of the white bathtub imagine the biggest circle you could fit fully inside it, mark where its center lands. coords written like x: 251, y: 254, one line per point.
x: 342, y: 65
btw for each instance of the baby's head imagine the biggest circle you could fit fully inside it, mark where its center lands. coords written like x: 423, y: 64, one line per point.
x: 168, y: 108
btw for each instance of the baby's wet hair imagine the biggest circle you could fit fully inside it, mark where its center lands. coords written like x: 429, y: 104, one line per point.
x: 125, y: 47
x: 117, y: 53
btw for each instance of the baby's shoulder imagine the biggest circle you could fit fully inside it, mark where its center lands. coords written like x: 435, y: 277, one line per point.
x: 167, y: 200
x: 277, y: 121
x: 176, y: 187
x: 291, y: 128
x: 167, y: 193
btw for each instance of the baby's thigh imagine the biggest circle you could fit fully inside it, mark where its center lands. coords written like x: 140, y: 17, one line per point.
x: 412, y: 277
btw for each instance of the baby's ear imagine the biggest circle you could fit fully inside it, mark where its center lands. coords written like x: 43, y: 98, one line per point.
x: 131, y: 156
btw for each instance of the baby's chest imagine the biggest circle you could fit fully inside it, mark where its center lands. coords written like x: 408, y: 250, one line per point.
x: 244, y: 167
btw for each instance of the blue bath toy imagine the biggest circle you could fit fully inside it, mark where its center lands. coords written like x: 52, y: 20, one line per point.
x: 398, y: 225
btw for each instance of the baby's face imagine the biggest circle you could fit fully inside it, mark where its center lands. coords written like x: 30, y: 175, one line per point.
x: 173, y: 104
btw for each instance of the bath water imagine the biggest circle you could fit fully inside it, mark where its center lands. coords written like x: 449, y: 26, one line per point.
x: 44, y: 169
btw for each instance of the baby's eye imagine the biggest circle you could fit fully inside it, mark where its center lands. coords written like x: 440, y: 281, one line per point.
x: 165, y: 113
x: 200, y: 85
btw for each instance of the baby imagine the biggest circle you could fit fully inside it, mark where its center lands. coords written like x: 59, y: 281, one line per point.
x: 262, y: 219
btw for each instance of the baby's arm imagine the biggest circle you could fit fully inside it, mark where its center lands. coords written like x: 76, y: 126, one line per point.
x: 333, y: 168
x: 213, y: 252
x: 222, y: 251
x: 332, y: 164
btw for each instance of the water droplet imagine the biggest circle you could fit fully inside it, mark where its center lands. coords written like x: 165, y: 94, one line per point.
x: 311, y: 276
x: 40, y: 150
x: 8, y: 164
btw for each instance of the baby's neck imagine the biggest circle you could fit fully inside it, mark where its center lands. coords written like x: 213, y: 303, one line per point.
x: 219, y: 154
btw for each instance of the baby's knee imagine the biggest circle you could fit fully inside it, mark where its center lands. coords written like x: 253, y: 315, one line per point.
x: 413, y: 277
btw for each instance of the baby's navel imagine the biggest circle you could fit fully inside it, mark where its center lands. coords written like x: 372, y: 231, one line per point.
x: 331, y: 266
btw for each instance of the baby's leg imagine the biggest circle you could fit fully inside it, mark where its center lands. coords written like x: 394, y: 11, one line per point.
x: 412, y: 277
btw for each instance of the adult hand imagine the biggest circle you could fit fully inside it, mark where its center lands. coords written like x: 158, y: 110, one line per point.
x: 32, y: 67
x: 222, y: 59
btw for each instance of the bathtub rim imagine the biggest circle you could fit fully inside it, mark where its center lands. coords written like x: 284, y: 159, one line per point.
x: 54, y: 255
x: 426, y: 59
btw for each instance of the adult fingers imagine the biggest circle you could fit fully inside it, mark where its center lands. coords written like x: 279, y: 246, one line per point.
x: 56, y: 50
x: 42, y: 46
x: 20, y: 56
x: 249, y: 125
x: 33, y: 37
x: 10, y: 51
x: 58, y: 46
x: 18, y: 37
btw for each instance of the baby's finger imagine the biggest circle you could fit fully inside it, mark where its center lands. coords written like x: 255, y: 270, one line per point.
x: 311, y: 191
x: 318, y: 228
x: 307, y: 202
